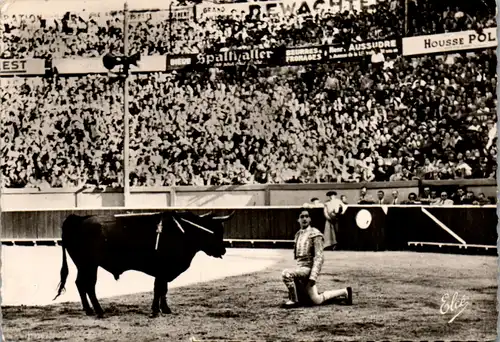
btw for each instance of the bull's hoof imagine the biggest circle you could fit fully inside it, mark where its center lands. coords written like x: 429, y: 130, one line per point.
x: 89, y: 312
x: 166, y: 310
x: 100, y: 315
x: 154, y: 314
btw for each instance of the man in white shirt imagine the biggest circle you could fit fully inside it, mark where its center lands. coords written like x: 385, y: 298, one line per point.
x: 444, y: 200
x: 333, y: 207
x: 315, y: 203
x: 377, y: 60
x: 395, y: 198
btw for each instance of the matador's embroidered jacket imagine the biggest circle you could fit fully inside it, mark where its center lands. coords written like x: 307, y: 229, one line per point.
x: 309, y: 250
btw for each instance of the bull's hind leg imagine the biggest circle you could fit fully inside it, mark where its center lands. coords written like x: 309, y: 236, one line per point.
x: 92, y: 280
x: 81, y: 286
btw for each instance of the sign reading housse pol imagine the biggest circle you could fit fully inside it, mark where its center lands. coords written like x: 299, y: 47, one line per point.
x: 452, y: 41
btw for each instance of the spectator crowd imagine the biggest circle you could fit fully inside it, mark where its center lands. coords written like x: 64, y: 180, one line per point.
x: 93, y: 34
x: 428, y: 196
x: 430, y: 118
x: 421, y: 118
x: 431, y: 17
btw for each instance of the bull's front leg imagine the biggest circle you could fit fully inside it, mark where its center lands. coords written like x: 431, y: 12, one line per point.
x: 163, y: 300
x: 155, y: 308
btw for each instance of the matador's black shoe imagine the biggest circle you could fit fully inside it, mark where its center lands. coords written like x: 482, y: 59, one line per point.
x: 349, y: 296
x: 290, y: 305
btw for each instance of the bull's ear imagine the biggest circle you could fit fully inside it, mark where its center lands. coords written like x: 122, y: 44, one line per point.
x: 223, y: 218
x: 207, y: 214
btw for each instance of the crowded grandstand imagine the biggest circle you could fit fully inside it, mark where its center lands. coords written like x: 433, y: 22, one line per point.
x: 332, y: 95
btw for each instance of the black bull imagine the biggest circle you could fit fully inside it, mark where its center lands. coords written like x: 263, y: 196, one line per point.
x: 161, y: 245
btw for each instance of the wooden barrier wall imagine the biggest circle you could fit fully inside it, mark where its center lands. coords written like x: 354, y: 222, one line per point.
x: 390, y: 227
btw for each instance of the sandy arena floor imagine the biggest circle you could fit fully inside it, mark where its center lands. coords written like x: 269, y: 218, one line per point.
x: 397, y: 296
x: 30, y: 275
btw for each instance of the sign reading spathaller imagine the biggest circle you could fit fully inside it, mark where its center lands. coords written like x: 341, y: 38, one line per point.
x: 223, y: 58
x: 235, y: 57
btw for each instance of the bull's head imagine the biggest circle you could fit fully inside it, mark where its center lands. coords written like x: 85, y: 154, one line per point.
x: 209, y: 232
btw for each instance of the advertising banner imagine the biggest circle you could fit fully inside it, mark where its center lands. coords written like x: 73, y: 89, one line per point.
x: 17, y: 18
x: 319, y: 54
x: 95, y: 65
x: 449, y: 42
x: 305, y: 55
x: 356, y: 49
x: 10, y: 67
x: 180, y: 61
x: 284, y: 56
x: 178, y: 13
x: 226, y: 58
x: 150, y: 64
x: 79, y: 65
x: 282, y: 7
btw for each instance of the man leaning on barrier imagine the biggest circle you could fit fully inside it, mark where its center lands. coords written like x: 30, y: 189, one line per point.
x: 301, y: 280
x: 332, y: 209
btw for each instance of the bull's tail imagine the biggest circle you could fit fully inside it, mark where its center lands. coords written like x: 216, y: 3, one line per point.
x: 64, y: 274
x: 70, y: 220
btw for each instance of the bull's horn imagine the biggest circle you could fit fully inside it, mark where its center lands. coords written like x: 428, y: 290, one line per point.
x: 207, y: 214
x: 224, y: 218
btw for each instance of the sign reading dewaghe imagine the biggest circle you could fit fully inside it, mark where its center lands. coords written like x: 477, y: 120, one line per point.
x: 453, y: 41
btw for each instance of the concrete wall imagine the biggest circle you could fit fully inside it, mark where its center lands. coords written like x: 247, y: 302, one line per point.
x: 298, y: 194
x: 216, y: 197
x: 226, y: 196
